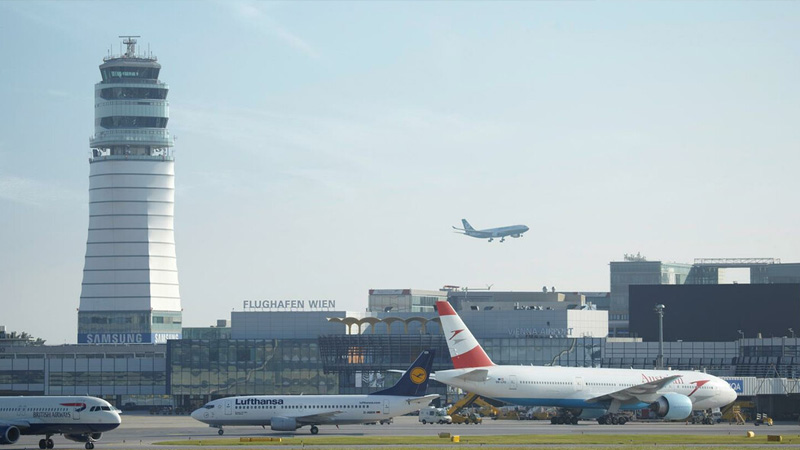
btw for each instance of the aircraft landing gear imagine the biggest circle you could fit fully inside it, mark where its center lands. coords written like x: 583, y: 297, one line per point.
x: 566, y: 418
x: 612, y: 419
x: 46, y: 442
x: 220, y: 431
x: 89, y: 446
x: 491, y: 239
x: 314, y: 429
x: 503, y: 240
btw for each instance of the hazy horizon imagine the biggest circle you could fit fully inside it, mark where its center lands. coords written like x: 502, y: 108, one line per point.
x: 326, y: 148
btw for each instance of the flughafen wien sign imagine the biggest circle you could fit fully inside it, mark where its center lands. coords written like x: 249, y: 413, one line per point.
x: 288, y: 305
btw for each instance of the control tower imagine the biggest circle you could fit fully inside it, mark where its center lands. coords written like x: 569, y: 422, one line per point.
x: 130, y: 289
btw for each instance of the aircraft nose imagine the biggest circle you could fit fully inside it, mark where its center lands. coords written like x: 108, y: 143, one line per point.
x: 732, y: 395
x: 202, y: 414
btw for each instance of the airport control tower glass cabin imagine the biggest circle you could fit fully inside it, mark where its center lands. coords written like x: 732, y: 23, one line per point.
x: 130, y: 278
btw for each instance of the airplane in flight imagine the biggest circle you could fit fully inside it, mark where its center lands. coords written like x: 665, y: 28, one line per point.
x: 514, y: 231
x: 671, y: 395
x: 290, y: 412
x: 79, y: 419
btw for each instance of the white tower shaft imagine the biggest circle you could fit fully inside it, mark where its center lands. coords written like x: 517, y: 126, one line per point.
x: 130, y: 291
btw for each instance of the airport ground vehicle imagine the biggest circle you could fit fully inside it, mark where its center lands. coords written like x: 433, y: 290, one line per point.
x: 763, y: 419
x: 739, y: 412
x: 434, y: 415
x: 469, y: 418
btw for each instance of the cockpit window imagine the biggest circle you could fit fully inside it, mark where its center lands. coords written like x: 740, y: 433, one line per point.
x: 105, y: 408
x: 209, y: 406
x: 94, y: 408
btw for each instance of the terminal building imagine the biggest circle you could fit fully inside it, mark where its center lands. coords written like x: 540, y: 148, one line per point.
x: 636, y: 270
x: 293, y: 351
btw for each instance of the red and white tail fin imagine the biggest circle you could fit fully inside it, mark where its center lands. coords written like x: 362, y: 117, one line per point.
x: 464, y: 348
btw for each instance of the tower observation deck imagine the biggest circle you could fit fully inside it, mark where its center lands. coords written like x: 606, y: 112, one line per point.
x: 130, y: 289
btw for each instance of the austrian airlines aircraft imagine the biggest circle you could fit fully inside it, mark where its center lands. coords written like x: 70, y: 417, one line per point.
x: 671, y: 395
x: 290, y: 412
x: 79, y: 419
x: 514, y: 231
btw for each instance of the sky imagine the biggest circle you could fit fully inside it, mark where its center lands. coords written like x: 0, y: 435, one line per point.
x: 326, y: 148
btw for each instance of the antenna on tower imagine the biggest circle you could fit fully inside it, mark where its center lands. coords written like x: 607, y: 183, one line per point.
x: 130, y: 42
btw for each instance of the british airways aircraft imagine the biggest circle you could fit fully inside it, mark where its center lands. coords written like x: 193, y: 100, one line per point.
x: 514, y: 231
x: 671, y: 395
x: 79, y: 419
x: 290, y: 412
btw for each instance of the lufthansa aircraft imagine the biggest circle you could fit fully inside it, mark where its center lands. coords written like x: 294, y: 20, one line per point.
x: 79, y: 419
x: 290, y: 412
x: 514, y: 231
x: 669, y: 394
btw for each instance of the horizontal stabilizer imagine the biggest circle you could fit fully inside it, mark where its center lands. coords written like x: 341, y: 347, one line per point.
x: 479, y: 375
x: 424, y: 400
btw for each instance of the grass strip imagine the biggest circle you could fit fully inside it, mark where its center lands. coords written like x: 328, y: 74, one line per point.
x: 644, y: 440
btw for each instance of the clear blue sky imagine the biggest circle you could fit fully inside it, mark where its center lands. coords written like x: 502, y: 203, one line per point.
x: 325, y: 148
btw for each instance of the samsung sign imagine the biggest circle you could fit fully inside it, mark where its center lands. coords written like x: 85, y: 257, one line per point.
x: 288, y: 305
x: 127, y: 338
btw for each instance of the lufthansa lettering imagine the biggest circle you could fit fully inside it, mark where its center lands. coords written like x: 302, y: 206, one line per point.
x: 259, y: 401
x: 288, y: 304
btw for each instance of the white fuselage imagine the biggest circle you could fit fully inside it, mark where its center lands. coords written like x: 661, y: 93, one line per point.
x: 58, y: 415
x: 316, y: 409
x: 513, y: 231
x: 572, y: 387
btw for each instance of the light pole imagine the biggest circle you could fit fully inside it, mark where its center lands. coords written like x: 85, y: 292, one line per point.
x: 791, y: 331
x: 660, y: 359
x: 741, y: 332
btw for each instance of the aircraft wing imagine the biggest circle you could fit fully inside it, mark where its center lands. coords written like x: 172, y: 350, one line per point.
x: 424, y: 400
x: 313, y: 419
x: 21, y: 424
x: 646, y: 392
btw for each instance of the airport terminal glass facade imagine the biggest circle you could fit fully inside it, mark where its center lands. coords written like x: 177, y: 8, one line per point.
x: 120, y: 374
x: 627, y: 273
x: 200, y: 370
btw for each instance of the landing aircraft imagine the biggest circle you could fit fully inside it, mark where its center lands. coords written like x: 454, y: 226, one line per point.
x: 514, y: 231
x: 669, y: 394
x: 290, y: 412
x: 79, y: 419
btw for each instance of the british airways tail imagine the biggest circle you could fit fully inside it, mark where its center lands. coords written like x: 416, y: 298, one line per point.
x: 414, y: 382
x: 467, y: 226
x: 464, y: 348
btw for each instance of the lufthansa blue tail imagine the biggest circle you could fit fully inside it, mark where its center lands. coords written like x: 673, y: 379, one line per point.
x: 414, y: 382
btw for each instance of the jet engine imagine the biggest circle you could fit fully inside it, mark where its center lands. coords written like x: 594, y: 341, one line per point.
x: 9, y: 435
x: 672, y: 406
x: 84, y: 437
x: 283, y: 424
